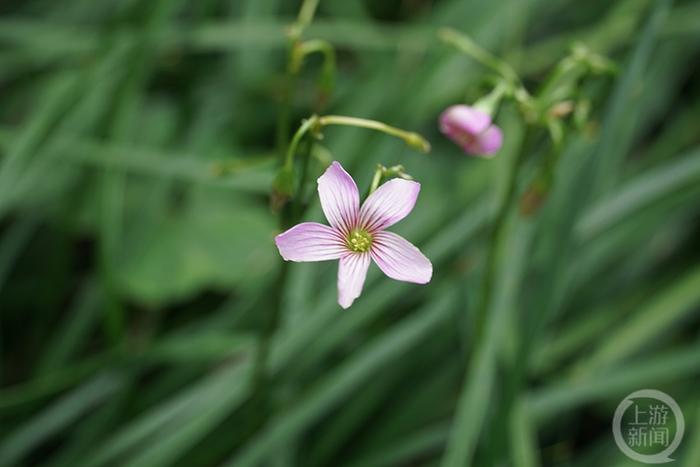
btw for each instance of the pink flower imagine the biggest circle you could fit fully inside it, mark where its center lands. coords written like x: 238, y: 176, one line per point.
x: 356, y: 234
x: 471, y: 129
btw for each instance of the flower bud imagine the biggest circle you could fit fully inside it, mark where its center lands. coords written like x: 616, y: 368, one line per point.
x: 472, y: 129
x: 416, y: 141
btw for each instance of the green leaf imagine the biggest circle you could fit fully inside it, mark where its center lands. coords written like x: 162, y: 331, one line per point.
x: 203, y: 247
x: 664, y: 310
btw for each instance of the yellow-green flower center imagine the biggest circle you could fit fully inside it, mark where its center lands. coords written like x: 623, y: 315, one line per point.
x: 359, y: 240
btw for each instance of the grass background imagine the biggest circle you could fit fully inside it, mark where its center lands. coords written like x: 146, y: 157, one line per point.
x: 138, y: 272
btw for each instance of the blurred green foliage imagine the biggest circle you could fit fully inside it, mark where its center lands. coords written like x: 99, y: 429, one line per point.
x: 138, y: 272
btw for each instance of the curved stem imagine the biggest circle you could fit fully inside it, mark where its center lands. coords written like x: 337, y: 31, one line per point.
x: 315, y: 123
x: 412, y: 139
x: 478, y: 53
x: 317, y: 45
x: 303, y: 129
x: 328, y: 72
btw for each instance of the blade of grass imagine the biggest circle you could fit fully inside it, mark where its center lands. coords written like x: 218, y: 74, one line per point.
x: 566, y: 395
x: 51, y: 383
x: 195, y: 405
x: 340, y: 382
x: 348, y: 421
x: 476, y: 393
x: 13, y: 242
x: 57, y: 417
x: 666, y: 309
x: 59, y: 94
x: 692, y: 455
x: 615, y: 138
x: 639, y: 192
x: 523, y: 437
x: 407, y: 449
x: 245, y: 174
x: 74, y: 332
x: 187, y: 429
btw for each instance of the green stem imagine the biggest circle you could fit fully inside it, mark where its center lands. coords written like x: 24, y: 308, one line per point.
x: 412, y: 139
x: 376, y: 179
x: 500, y: 245
x: 327, y: 76
x: 304, y: 19
x: 478, y: 53
x: 498, y: 232
x: 316, y: 123
x: 306, y: 125
x: 385, y: 173
x: 306, y: 15
x: 313, y: 46
x: 299, y: 202
x: 489, y: 103
x: 268, y: 331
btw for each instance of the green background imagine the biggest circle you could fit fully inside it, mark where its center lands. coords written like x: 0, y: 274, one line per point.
x: 139, y: 277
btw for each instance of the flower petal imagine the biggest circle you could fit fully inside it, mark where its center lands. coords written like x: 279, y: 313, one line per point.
x: 352, y: 270
x: 459, y: 119
x: 490, y: 141
x: 390, y: 203
x: 340, y: 199
x: 310, y: 241
x: 399, y: 259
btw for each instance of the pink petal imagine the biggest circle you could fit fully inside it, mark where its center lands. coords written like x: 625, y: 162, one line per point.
x: 392, y: 201
x: 399, y: 259
x: 340, y: 199
x: 459, y: 119
x: 310, y: 241
x: 352, y: 270
x: 489, y: 141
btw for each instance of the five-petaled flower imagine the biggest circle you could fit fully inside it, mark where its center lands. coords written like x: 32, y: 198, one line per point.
x: 357, y: 234
x: 472, y: 129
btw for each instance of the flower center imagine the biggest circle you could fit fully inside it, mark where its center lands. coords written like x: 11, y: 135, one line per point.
x: 359, y: 240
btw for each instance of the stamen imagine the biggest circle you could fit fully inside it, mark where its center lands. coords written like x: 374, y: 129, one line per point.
x: 359, y: 240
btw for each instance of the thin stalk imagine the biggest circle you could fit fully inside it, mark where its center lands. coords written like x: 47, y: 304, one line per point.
x: 316, y: 123
x: 296, y: 139
x: 304, y: 19
x: 283, y: 116
x: 299, y: 203
x: 376, y: 180
x: 509, y: 241
x: 326, y: 80
x: 411, y: 138
x: 260, y: 373
x: 478, y: 53
x: 498, y: 231
x: 306, y: 14
x: 382, y: 173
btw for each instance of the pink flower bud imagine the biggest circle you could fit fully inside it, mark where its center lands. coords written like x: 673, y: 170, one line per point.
x: 471, y: 129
